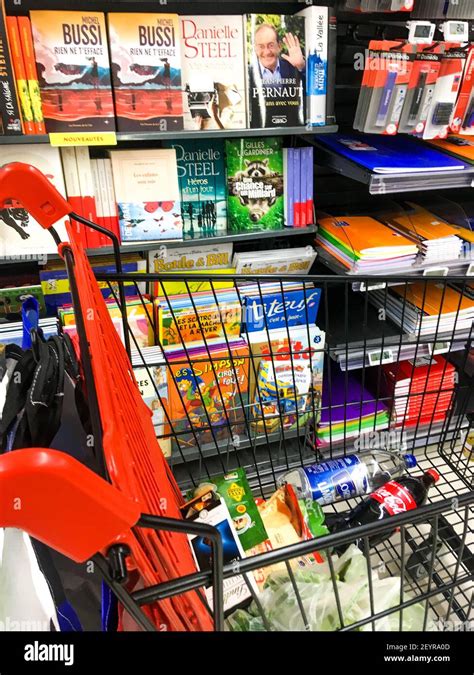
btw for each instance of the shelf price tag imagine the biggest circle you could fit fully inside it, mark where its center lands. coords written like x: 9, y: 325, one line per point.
x: 470, y: 270
x: 370, y: 287
x: 436, y: 272
x: 377, y: 357
x: 71, y: 138
x: 441, y: 347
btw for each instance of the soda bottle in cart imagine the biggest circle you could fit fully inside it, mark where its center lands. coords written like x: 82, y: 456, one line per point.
x: 346, y: 477
x: 400, y: 496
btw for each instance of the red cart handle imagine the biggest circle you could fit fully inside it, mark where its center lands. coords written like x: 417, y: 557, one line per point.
x: 59, y: 501
x: 27, y: 185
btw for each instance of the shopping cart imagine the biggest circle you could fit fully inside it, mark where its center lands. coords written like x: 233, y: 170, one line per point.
x: 419, y: 576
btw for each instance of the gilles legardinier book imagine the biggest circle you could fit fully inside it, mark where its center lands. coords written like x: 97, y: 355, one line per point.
x: 72, y: 61
x: 146, y: 71
x: 147, y: 194
x: 255, y: 184
x: 202, y: 186
x: 212, y: 50
x: 276, y: 70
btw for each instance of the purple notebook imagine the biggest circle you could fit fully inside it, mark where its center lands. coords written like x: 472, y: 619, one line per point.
x: 346, y: 388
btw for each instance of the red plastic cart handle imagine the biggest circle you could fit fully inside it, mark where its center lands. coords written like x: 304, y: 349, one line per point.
x: 59, y: 501
x: 25, y: 184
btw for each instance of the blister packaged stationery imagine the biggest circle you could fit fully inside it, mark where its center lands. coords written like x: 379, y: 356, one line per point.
x: 421, y: 88
x: 379, y: 5
x: 463, y: 117
x: 384, y: 86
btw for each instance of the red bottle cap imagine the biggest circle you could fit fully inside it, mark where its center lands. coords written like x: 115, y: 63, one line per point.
x: 434, y: 475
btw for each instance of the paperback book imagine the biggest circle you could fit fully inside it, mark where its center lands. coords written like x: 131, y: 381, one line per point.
x: 255, y: 184
x: 212, y: 49
x: 146, y: 71
x: 72, y: 60
x: 10, y: 115
x: 202, y: 186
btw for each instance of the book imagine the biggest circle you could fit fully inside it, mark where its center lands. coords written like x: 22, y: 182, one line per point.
x: 389, y: 154
x: 280, y: 261
x: 11, y: 299
x: 20, y: 75
x: 202, y: 186
x: 276, y: 65
x: 147, y: 193
x: 152, y: 381
x: 208, y: 388
x: 316, y: 42
x: 255, y: 184
x: 212, y: 50
x: 308, y: 153
x: 178, y: 259
x: 146, y: 71
x: 288, y: 386
x: 12, y: 332
x: 26, y: 41
x: 20, y: 234
x: 88, y: 195
x: 269, y: 309
x: 72, y: 61
x: 10, y: 114
x: 73, y: 189
x: 185, y: 318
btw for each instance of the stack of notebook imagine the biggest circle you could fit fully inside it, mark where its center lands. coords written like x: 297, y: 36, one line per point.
x: 422, y: 390
x: 12, y: 332
x: 363, y: 244
x: 426, y: 308
x: 436, y: 239
x: 349, y: 409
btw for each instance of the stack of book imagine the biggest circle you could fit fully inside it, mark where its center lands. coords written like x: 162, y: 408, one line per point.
x: 349, y: 409
x: 281, y: 261
x: 12, y: 332
x: 436, y: 239
x: 426, y: 308
x: 422, y: 390
x: 364, y: 244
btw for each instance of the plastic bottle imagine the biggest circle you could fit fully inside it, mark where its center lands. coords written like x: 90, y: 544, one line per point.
x: 346, y: 477
x: 394, y: 497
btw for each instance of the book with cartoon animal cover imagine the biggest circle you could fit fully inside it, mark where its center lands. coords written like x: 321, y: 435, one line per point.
x: 289, y: 379
x: 72, y: 59
x: 208, y: 389
x: 20, y: 233
x: 255, y: 184
x: 212, y: 52
x: 147, y: 194
x: 187, y: 318
x: 152, y: 381
x: 146, y: 71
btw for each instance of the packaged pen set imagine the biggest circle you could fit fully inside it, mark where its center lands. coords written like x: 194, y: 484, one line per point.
x: 421, y: 90
x: 378, y: 5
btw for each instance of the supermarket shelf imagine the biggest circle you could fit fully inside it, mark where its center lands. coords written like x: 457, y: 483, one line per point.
x: 396, y: 182
x: 458, y: 267
x: 127, y: 137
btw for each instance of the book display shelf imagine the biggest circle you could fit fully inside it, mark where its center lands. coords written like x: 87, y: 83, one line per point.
x: 246, y: 351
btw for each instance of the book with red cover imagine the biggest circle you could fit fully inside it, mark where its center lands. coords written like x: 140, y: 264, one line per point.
x: 20, y: 75
x: 26, y: 41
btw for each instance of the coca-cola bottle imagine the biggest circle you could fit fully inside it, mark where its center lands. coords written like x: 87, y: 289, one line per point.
x: 394, y: 497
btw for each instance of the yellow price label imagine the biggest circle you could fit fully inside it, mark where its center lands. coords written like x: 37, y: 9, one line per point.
x: 83, y: 138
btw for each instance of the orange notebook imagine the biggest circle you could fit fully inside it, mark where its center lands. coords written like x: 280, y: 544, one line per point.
x: 434, y: 298
x: 459, y: 146
x: 366, y: 235
x: 20, y: 75
x: 422, y: 224
x: 26, y: 41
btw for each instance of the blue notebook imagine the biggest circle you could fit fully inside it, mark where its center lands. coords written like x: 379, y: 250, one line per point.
x: 390, y: 154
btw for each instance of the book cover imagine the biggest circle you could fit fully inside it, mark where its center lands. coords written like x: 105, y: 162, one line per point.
x: 146, y: 71
x: 212, y: 49
x: 11, y: 300
x: 208, y: 388
x: 153, y: 385
x: 10, y: 115
x: 178, y: 259
x: 278, y: 310
x: 26, y: 41
x: 147, y: 194
x: 72, y: 61
x: 316, y: 39
x: 202, y: 186
x: 20, y: 75
x: 20, y: 234
x: 276, y: 88
x: 255, y: 184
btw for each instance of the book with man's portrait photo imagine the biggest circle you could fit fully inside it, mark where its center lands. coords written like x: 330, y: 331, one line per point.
x: 276, y: 67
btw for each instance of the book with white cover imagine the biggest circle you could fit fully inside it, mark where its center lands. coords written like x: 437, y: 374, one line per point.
x: 147, y: 194
x: 20, y: 234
